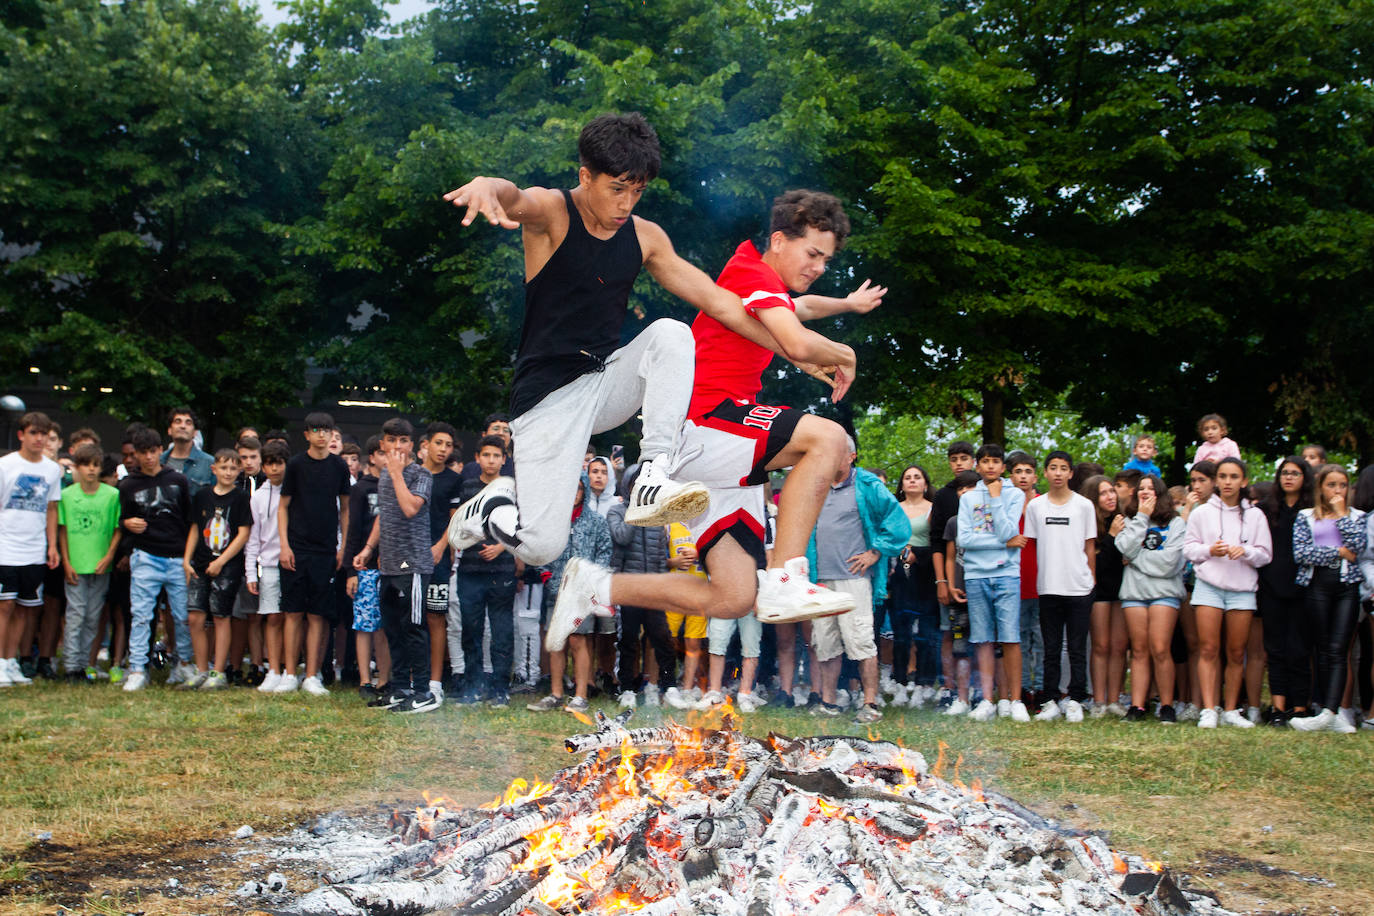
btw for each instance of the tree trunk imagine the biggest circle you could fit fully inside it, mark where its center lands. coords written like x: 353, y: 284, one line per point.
x: 1182, y: 426
x: 994, y: 417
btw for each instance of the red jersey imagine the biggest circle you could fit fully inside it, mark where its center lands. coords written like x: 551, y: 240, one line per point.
x: 729, y: 366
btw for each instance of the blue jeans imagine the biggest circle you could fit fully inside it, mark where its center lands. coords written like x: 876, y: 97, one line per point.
x: 994, y: 609
x: 483, y: 599
x: 148, y: 575
x: 1033, y: 645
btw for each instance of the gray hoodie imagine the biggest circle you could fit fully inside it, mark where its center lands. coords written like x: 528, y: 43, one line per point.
x: 1154, y: 558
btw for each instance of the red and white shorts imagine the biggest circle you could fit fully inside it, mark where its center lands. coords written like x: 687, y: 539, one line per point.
x: 728, y: 449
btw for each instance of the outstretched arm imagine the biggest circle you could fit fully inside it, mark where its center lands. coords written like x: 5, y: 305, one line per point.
x: 862, y: 301
x: 502, y: 202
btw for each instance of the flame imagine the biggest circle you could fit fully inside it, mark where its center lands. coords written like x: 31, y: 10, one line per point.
x: 582, y: 717
x: 1155, y: 867
x: 977, y: 789
x: 955, y: 780
x: 828, y: 809
x: 1118, y: 864
x: 625, y: 772
x: 872, y: 735
x: 938, y: 771
x: 518, y: 793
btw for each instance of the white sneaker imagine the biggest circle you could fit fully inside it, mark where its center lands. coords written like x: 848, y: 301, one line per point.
x: 1116, y: 709
x: 585, y: 589
x: 1073, y: 712
x: 269, y: 683
x: 1097, y: 711
x: 469, y: 524
x: 787, y: 595
x: 1342, y: 725
x: 1049, y: 712
x: 1207, y: 718
x: 1253, y: 714
x: 1019, y: 713
x: 181, y: 674
x: 214, y: 681
x: 712, y: 698
x: 656, y: 499
x: 983, y: 712
x: 315, y: 687
x: 842, y: 698
x: 747, y: 702
x: 1347, y: 715
x: 136, y: 681
x: 1319, y: 723
x: 676, y: 699
x: 1189, y: 713
x: 5, y: 680
x: 957, y: 708
x: 899, y: 695
x: 287, y: 684
x: 628, y: 700
x: 1004, y: 709
x: 651, y: 697
x: 17, y: 676
x: 1236, y: 719
x: 195, y: 679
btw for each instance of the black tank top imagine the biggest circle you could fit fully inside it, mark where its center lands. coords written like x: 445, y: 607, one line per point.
x: 574, y: 309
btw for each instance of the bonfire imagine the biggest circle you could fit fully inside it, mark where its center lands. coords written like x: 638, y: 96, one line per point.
x: 697, y: 820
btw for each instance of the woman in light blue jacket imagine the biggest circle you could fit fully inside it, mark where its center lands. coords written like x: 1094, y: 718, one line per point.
x: 1151, y: 592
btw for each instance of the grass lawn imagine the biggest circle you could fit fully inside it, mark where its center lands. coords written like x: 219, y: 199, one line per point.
x: 137, y: 788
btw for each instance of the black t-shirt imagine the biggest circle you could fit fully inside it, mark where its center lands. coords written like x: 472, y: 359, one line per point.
x: 218, y: 518
x: 1110, y: 569
x: 362, y: 512
x: 1279, y: 577
x: 164, y: 502
x: 943, y: 507
x: 471, y: 562
x: 314, y: 486
x: 446, y: 496
x: 574, y: 309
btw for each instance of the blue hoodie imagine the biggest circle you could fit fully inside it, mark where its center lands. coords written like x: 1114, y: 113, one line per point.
x: 985, y: 525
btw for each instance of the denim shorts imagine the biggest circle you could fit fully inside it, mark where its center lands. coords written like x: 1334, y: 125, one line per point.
x: 994, y: 609
x: 1174, y: 603
x: 719, y: 631
x: 1206, y: 594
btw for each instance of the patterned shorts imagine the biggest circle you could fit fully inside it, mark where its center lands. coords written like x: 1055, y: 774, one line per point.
x: 367, y: 609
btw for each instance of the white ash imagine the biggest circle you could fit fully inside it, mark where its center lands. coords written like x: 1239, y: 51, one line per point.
x: 711, y: 822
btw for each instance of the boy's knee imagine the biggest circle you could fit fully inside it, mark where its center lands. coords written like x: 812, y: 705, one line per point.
x: 671, y: 333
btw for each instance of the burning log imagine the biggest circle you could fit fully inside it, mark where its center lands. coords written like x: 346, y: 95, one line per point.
x: 767, y: 863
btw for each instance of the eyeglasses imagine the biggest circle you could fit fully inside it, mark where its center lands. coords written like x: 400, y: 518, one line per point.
x: 1290, y: 473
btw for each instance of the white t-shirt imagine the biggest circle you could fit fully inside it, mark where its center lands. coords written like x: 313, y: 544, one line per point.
x: 1059, y: 532
x: 26, y: 489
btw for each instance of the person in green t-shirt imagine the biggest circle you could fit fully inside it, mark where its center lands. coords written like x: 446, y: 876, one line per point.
x: 88, y: 537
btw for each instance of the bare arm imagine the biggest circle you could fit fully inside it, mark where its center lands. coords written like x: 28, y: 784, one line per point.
x: 503, y: 203
x: 54, y: 558
x: 287, y: 560
x: 862, y: 301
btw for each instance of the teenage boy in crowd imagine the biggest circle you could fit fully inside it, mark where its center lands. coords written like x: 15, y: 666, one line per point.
x: 155, y: 510
x: 314, y: 507
x: 944, y: 505
x: 89, y: 539
x: 487, y: 572
x: 583, y: 250
x: 30, y: 488
x: 262, y: 555
x: 733, y: 443
x: 400, y: 540
x: 364, y: 582
x: 496, y: 424
x: 246, y: 622
x: 182, y: 455
x: 989, y: 534
x: 221, y: 519
x: 1023, y: 476
x: 1063, y: 527
x: 439, y: 441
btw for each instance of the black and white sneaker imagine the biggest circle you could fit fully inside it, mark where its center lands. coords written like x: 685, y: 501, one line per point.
x: 469, y: 524
x: 388, y: 697
x: 656, y: 499
x: 417, y: 702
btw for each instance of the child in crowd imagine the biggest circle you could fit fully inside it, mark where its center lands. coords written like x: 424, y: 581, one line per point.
x: 1143, y: 456
x: 312, y: 511
x: 261, y: 555
x: 363, y: 582
x: 1314, y: 455
x: 1063, y: 527
x: 439, y: 442
x: 89, y: 539
x: 956, y: 606
x: 945, y: 506
x: 1107, y: 627
x: 30, y: 489
x: 221, y: 519
x: 1227, y: 540
x: 989, y: 532
x: 1215, y: 443
x: 1024, y: 478
x: 1151, y: 542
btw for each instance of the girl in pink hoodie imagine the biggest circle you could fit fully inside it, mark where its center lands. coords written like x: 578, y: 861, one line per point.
x: 1227, y: 541
x: 1216, y: 445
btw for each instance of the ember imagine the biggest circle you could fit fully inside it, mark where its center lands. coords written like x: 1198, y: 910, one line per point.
x: 677, y: 820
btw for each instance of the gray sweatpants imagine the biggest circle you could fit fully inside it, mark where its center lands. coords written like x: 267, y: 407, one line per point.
x: 654, y: 371
x: 84, y: 602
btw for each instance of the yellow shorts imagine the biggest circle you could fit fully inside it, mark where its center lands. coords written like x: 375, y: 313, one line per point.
x: 689, y: 626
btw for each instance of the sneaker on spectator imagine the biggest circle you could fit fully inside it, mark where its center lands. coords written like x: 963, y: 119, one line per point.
x: 213, y: 680
x: 499, y: 699
x: 1073, y: 712
x: 270, y: 682
x: 628, y: 700
x: 578, y: 704
x: 1166, y: 715
x: 842, y: 697
x: 1049, y: 712
x: 787, y: 595
x: 1253, y: 714
x: 1207, y: 718
x: 315, y: 687
x: 1116, y: 709
x: 136, y: 680
x: 1347, y: 715
x: 677, y: 699
x: 985, y: 711
x: 651, y: 696
x: 868, y: 714
x: 1135, y: 714
x: 5, y: 680
x: 583, y: 582
x: 656, y: 499
x: 94, y: 674
x: 1004, y: 709
x: 387, y: 697
x: 415, y: 702
x: 944, y: 697
x: 826, y: 710
x: 748, y: 702
x: 116, y: 674
x: 712, y: 698
x: 289, y: 683
x: 546, y: 704
x: 1098, y: 710
x: 1236, y: 719
x: 193, y: 681
x: 469, y: 524
x: 181, y: 673
x: 1189, y: 713
x: 957, y: 708
x: 368, y: 692
x: 16, y: 673
x: 1316, y: 723
x: 1019, y: 712
x: 899, y: 695
x: 788, y: 701
x: 1342, y: 725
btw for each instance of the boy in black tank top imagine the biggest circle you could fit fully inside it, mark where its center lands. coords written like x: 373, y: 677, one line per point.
x: 583, y: 251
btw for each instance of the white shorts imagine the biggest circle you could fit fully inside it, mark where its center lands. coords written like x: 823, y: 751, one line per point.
x: 850, y: 633
x: 269, y: 590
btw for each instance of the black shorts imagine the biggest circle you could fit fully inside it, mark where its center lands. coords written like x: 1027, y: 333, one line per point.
x: 23, y: 584
x: 309, y: 588
x: 55, y: 583
x: 436, y: 597
x: 213, y: 595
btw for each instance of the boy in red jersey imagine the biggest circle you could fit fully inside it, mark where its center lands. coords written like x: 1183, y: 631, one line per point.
x: 730, y: 443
